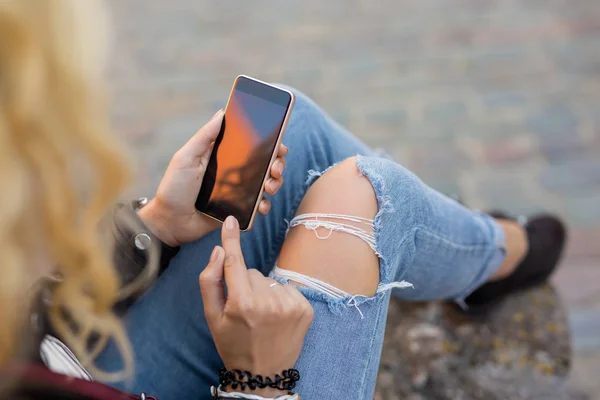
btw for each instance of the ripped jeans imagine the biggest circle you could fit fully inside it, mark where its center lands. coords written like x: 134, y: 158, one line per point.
x: 428, y: 246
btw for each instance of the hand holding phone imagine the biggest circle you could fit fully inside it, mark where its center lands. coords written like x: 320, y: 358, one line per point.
x: 244, y: 151
x: 172, y: 215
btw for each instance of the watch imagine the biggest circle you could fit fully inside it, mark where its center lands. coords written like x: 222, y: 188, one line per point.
x: 141, y: 240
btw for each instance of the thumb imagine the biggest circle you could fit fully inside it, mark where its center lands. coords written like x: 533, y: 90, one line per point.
x: 211, y: 285
x: 202, y: 140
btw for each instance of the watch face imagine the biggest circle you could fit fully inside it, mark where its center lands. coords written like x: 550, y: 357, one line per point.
x: 142, y: 241
x: 139, y: 203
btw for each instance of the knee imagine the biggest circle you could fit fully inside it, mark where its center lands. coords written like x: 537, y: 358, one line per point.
x: 400, y: 193
x: 341, y: 190
x: 336, y: 257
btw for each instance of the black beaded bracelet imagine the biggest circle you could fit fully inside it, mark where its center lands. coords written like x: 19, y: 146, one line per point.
x: 242, y: 379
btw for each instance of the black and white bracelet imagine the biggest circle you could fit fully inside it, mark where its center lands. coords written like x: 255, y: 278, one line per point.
x: 218, y: 393
x: 244, y: 379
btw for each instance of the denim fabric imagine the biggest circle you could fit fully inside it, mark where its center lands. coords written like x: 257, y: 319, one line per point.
x: 423, y: 237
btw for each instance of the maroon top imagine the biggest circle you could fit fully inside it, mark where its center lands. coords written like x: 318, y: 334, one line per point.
x: 36, y: 382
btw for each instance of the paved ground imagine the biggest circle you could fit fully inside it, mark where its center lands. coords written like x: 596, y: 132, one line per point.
x: 497, y: 100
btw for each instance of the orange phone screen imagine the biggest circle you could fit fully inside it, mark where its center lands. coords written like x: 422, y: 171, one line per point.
x: 240, y: 159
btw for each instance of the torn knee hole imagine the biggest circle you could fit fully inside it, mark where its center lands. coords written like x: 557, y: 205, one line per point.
x: 310, y: 283
x: 336, y: 298
x: 323, y: 225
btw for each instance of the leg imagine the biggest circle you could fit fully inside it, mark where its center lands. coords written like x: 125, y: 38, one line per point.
x: 175, y: 356
x: 423, y: 238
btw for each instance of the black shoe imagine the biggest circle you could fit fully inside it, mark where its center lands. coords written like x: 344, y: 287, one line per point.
x: 547, y: 237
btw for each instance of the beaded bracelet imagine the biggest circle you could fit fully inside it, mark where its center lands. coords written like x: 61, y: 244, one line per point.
x: 242, y: 379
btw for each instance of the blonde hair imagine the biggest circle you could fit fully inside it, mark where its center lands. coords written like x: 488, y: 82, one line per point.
x: 60, y: 172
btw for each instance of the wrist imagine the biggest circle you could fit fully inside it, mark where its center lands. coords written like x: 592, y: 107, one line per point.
x: 266, y: 392
x: 157, y: 221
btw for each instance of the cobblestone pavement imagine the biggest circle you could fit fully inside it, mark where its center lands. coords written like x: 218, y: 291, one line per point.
x: 496, y: 100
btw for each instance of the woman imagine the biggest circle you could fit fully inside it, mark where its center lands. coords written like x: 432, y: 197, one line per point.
x: 347, y: 227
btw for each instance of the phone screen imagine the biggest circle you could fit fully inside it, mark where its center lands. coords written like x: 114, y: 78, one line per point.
x: 242, y: 152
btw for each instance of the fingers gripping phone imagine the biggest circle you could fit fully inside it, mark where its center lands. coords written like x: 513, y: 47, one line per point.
x: 255, y: 119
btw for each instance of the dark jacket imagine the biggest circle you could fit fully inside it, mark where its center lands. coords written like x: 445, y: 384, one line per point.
x: 33, y: 381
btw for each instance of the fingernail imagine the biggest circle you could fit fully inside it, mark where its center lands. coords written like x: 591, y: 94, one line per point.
x: 280, y: 168
x: 217, y: 114
x: 230, y: 222
x: 215, y: 255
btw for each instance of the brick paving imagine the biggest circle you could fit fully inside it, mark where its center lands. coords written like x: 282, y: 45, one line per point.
x: 498, y: 101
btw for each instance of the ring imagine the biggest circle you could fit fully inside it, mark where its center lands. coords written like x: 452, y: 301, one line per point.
x: 274, y: 284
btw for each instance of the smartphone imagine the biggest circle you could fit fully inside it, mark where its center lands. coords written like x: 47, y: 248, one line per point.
x: 255, y: 118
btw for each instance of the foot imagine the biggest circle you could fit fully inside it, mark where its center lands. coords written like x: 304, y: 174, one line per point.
x: 547, y: 236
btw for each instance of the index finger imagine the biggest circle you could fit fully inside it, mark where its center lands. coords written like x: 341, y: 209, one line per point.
x: 236, y: 275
